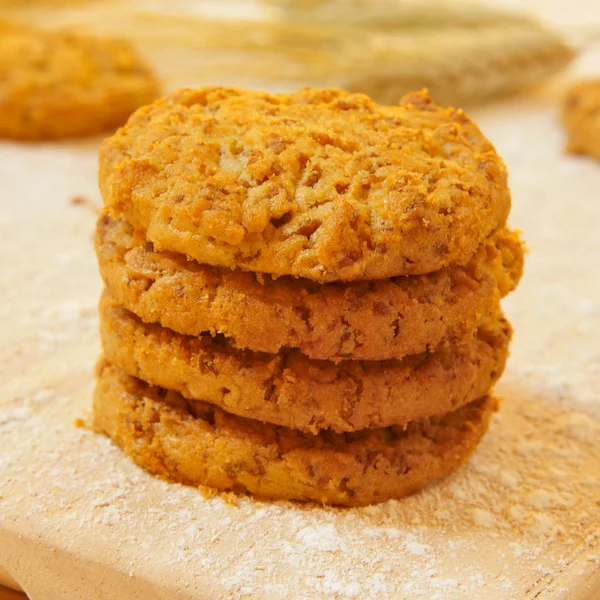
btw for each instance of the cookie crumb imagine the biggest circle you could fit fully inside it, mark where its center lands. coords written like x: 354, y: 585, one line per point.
x: 79, y: 200
x: 207, y: 492
x: 86, y: 423
x: 230, y: 498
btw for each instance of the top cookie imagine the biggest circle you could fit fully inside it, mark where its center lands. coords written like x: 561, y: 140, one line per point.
x: 321, y: 184
x: 55, y: 85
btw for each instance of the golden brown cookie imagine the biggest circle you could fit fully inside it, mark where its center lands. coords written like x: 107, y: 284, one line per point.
x: 292, y: 390
x: 374, y: 320
x: 200, y: 444
x: 55, y: 85
x: 321, y: 184
x: 581, y: 117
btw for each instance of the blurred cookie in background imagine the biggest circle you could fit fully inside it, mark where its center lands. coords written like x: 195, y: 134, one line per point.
x: 581, y: 117
x: 56, y: 84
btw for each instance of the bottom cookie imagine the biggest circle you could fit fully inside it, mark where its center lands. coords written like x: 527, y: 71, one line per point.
x: 211, y: 447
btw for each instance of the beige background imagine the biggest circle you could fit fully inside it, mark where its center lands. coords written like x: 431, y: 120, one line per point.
x: 521, y: 520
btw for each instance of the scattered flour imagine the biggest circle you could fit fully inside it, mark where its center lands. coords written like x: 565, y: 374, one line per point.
x: 579, y: 427
x: 483, y: 518
x: 324, y: 538
x: 509, y: 479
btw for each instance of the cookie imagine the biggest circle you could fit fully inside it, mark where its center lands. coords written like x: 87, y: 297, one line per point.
x: 320, y: 184
x: 581, y: 117
x: 200, y: 444
x: 361, y: 321
x: 294, y: 391
x: 55, y: 85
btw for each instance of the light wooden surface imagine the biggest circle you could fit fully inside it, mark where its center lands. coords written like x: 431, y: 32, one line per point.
x: 521, y: 520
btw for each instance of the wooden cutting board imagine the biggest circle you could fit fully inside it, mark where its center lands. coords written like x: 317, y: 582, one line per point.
x: 521, y: 520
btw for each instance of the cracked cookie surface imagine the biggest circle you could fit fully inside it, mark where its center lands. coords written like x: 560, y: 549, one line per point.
x: 294, y: 391
x: 57, y: 84
x: 320, y: 184
x: 374, y: 320
x: 204, y: 445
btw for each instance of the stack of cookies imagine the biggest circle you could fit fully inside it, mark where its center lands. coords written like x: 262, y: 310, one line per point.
x: 302, y: 291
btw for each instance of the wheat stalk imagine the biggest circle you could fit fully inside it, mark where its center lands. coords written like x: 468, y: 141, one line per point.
x: 458, y: 66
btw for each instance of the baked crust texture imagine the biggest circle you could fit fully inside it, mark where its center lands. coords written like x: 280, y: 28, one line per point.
x: 294, y: 391
x: 321, y: 184
x: 204, y: 445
